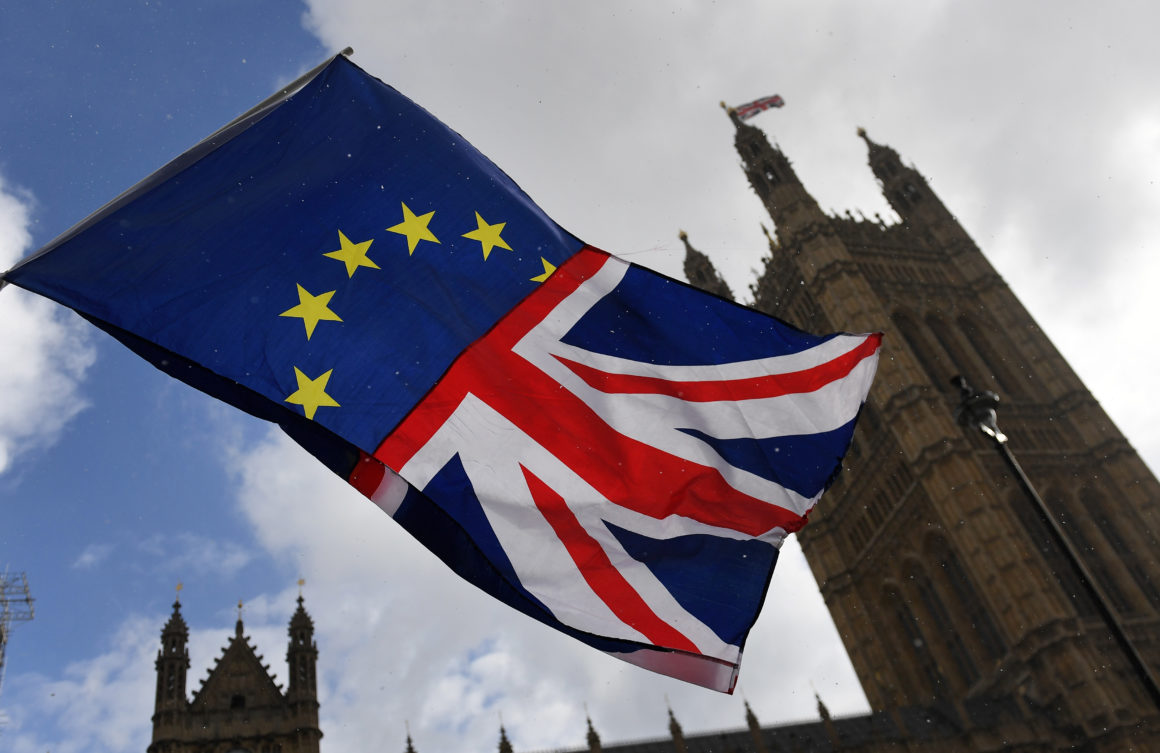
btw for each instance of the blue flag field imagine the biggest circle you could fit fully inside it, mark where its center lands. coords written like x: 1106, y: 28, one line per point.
x: 611, y: 452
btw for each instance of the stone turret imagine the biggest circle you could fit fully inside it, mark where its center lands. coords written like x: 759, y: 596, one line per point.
x: 505, y: 745
x: 238, y: 706
x: 701, y: 273
x: 677, y: 734
x: 593, y: 738
x: 172, y: 664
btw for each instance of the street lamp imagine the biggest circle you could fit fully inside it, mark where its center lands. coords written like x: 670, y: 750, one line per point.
x: 977, y: 409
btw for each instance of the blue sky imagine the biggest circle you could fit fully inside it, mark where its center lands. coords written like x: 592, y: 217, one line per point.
x: 1041, y: 131
x: 102, y: 94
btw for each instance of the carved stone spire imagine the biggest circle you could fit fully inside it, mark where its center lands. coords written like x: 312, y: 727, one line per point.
x: 701, y: 273
x: 755, y: 732
x: 884, y: 161
x: 302, y: 657
x: 828, y: 723
x: 908, y: 193
x: 505, y: 745
x: 677, y: 733
x: 823, y: 712
x: 773, y: 179
x: 593, y: 738
x: 172, y: 663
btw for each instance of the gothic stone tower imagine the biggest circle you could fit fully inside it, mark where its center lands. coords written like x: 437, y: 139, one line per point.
x: 939, y: 575
x: 239, y: 708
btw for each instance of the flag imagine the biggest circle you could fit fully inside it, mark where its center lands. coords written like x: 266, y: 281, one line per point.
x: 749, y: 109
x: 612, y: 452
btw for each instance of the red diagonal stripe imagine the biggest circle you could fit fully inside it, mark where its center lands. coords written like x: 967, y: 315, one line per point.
x: 429, y: 414
x: 625, y: 471
x: 599, y: 573
x: 771, y: 385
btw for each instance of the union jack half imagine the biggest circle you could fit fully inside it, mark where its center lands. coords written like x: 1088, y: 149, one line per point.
x: 749, y: 109
x: 635, y: 503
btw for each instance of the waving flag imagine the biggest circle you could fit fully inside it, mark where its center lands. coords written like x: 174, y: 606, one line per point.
x: 749, y: 109
x: 610, y: 451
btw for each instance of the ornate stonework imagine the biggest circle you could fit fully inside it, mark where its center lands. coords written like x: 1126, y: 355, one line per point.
x: 965, y: 623
x: 239, y: 708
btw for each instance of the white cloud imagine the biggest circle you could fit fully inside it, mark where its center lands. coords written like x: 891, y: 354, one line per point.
x: 45, y: 350
x: 95, y: 706
x: 189, y: 555
x: 91, y: 556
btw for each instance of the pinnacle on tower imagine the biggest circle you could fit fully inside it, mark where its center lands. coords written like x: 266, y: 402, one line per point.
x: 771, y: 175
x: 302, y: 655
x: 884, y: 161
x: 751, y: 718
x: 593, y: 738
x: 172, y: 663
x: 174, y: 628
x: 769, y: 239
x: 677, y: 733
x: 300, y: 623
x: 823, y: 712
x: 505, y: 745
x: 701, y: 273
x: 755, y: 732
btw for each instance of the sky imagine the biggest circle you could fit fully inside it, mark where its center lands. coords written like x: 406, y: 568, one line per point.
x: 1039, y: 126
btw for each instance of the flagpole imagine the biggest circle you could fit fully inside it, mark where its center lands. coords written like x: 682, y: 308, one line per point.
x: 976, y: 409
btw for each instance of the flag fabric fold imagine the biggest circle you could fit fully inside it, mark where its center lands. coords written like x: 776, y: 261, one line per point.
x: 749, y: 109
x: 612, y: 452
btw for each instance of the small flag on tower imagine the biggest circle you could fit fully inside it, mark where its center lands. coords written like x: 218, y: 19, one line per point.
x: 612, y: 452
x: 749, y: 109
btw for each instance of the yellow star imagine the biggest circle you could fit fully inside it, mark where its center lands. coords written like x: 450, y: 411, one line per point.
x: 549, y: 268
x: 311, y: 393
x: 353, y: 254
x: 312, y: 309
x: 487, y: 235
x: 415, y: 228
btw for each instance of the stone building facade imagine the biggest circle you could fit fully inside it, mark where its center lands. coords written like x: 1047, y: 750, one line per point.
x: 238, y: 708
x: 966, y: 625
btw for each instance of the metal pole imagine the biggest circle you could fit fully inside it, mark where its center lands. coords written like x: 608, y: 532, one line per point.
x: 977, y: 409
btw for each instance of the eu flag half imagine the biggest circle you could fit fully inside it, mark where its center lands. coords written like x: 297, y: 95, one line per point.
x: 610, y: 451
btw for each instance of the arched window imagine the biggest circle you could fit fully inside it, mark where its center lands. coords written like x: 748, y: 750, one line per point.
x: 940, y: 628
x: 931, y: 356
x: 991, y: 346
x: 1058, y: 565
x: 966, y: 598
x: 963, y: 359
x: 1126, y: 550
x: 920, y: 678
